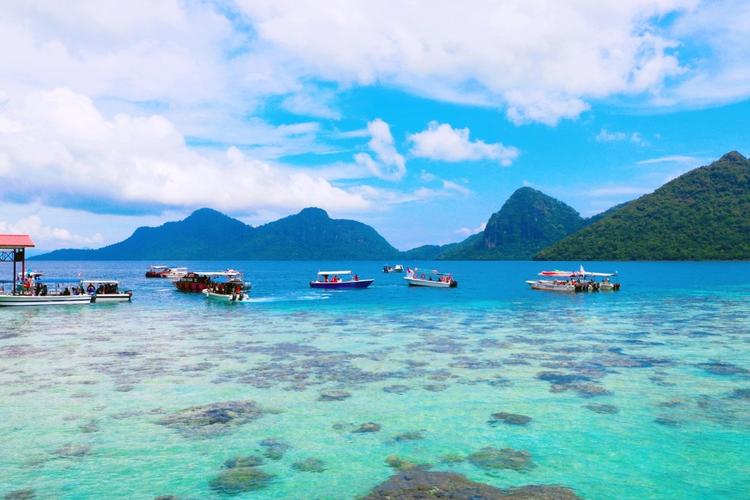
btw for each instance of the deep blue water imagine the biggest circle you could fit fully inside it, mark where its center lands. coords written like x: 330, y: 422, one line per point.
x: 665, y: 364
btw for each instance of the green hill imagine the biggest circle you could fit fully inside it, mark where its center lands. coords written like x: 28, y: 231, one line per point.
x: 210, y: 235
x: 527, y: 222
x: 703, y: 214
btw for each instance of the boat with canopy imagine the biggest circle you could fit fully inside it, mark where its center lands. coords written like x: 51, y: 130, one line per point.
x: 30, y: 289
x: 228, y: 288
x: 197, y: 281
x: 574, y: 281
x: 339, y: 279
x: 431, y: 279
x: 103, y: 291
x: 157, y: 272
x: 398, y: 268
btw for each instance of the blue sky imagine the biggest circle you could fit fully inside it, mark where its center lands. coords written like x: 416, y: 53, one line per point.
x: 419, y: 120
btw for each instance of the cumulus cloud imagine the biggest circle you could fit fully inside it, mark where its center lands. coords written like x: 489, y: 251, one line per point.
x: 58, y: 142
x: 440, y: 141
x: 468, y: 231
x: 542, y: 59
x: 46, y: 236
x: 388, y: 163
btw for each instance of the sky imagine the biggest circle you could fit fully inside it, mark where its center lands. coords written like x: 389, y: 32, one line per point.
x: 419, y: 118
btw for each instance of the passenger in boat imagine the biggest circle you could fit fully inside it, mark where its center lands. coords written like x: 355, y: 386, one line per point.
x: 90, y: 289
x: 356, y: 277
x: 75, y: 290
x: 43, y: 290
x: 66, y: 291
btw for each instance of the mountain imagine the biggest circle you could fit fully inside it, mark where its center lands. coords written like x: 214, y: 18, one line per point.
x: 703, y: 214
x: 210, y: 235
x: 528, y: 222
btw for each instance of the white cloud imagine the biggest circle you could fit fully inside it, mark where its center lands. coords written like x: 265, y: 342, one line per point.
x: 389, y: 163
x: 315, y: 104
x: 58, y: 142
x: 46, y: 236
x: 468, y: 231
x: 605, y: 135
x: 617, y: 190
x: 683, y: 159
x: 543, y: 59
x: 440, y: 141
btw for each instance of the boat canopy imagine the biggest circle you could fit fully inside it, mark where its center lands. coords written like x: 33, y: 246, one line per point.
x: 326, y: 273
x: 44, y: 280
x: 101, y: 282
x: 158, y: 267
x: 215, y: 274
x: 581, y: 273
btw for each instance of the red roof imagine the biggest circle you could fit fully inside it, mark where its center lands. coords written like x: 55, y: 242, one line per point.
x: 15, y: 241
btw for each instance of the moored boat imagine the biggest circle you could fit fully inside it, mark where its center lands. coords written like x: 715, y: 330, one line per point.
x: 157, y: 272
x: 431, y: 279
x: 197, y: 281
x: 103, y: 291
x: 334, y: 280
x: 552, y: 285
x: 574, y: 281
x: 176, y: 273
x: 398, y: 268
x: 230, y: 289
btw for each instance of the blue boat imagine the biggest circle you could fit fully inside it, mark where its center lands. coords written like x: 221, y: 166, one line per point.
x: 339, y: 279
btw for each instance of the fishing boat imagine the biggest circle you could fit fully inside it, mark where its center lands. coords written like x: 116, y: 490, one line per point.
x: 552, y: 285
x: 432, y: 279
x: 105, y: 291
x: 228, y: 289
x: 157, y: 272
x: 26, y: 289
x: 339, y: 279
x: 398, y: 268
x: 197, y: 281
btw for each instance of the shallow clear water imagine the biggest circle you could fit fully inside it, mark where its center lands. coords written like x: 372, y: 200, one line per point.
x: 85, y: 390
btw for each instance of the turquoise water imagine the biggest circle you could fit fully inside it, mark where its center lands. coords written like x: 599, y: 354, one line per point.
x: 87, y: 391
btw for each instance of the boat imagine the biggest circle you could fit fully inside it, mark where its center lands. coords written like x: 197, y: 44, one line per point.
x: 574, y: 281
x: 334, y: 280
x: 157, y: 272
x: 103, y: 291
x: 432, y: 279
x: 197, y: 281
x: 176, y: 273
x: 26, y: 289
x: 398, y: 268
x: 228, y: 289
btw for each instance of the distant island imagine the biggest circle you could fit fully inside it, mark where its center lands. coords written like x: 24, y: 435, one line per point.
x: 703, y: 214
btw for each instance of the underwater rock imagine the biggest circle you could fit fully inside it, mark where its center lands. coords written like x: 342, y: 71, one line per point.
x: 452, y: 458
x: 561, y: 378
x: 213, y: 418
x: 435, y: 387
x: 24, y: 494
x: 310, y: 465
x: 672, y: 403
x: 667, y: 421
x: 509, y: 418
x: 333, y: 395
x: 722, y: 368
x: 491, y: 458
x: 408, y: 436
x: 89, y: 427
x: 421, y: 484
x: 397, y: 389
x: 239, y: 480
x: 584, y: 389
x: 343, y: 426
x: 275, y: 449
x: 604, y: 409
x: 743, y: 394
x: 248, y: 461
x: 167, y: 497
x: 367, y: 427
x: 396, y: 462
x: 73, y: 451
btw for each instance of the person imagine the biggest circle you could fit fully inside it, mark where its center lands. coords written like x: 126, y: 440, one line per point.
x: 356, y: 277
x: 66, y: 291
x: 90, y: 289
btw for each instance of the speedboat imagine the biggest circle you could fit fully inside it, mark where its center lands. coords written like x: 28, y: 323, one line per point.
x: 552, y: 285
x: 334, y: 280
x: 433, y: 279
x: 157, y: 272
x: 197, y: 281
x: 105, y: 291
x: 398, y: 268
x: 230, y: 289
x: 574, y: 281
x: 46, y: 291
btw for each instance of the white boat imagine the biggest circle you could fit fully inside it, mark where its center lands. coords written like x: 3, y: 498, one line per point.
x: 432, y: 279
x: 104, y: 291
x: 228, y: 287
x: 43, y: 300
x: 552, y: 285
x: 398, y: 268
x: 243, y: 296
x: 176, y: 273
x: 45, y: 292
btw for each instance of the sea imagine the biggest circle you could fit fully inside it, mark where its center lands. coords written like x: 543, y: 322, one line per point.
x: 314, y: 394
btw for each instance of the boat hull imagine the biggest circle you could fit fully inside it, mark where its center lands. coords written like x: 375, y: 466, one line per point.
x: 546, y: 286
x: 43, y: 300
x: 341, y: 284
x: 431, y: 284
x: 190, y: 287
x: 112, y: 297
x: 221, y: 297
